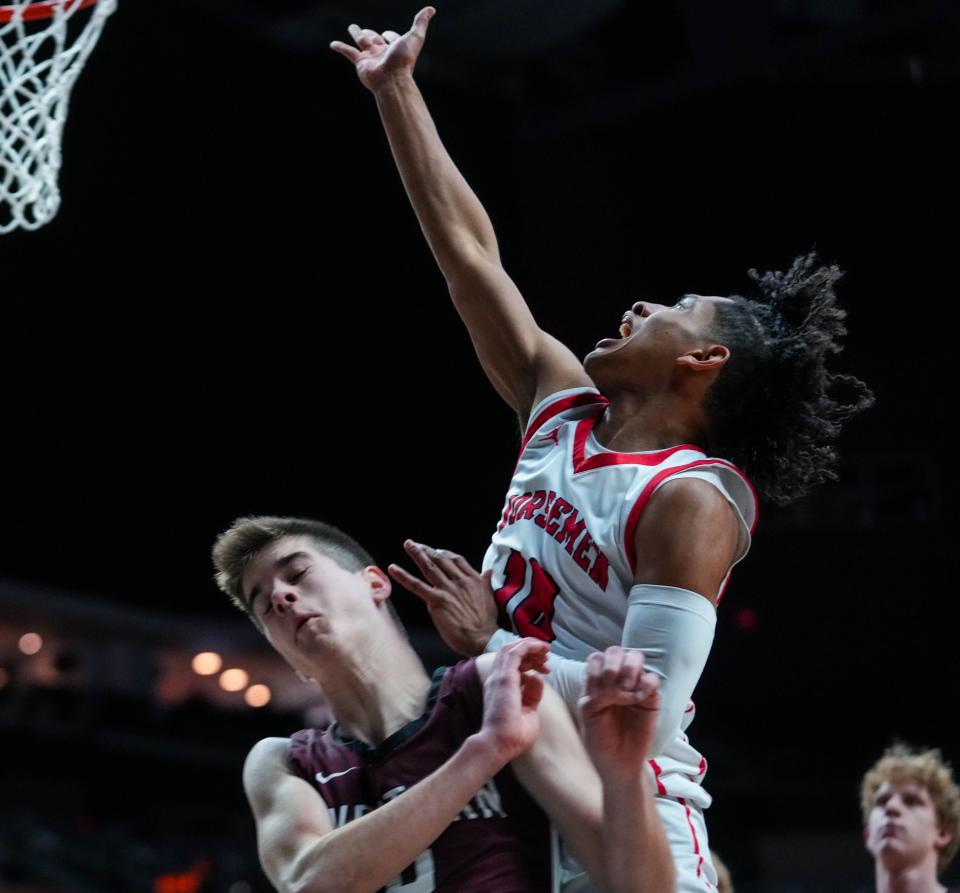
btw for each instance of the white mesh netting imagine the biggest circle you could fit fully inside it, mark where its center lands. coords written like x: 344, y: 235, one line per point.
x: 43, y: 47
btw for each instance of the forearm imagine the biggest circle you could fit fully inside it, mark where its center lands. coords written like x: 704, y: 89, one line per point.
x: 674, y: 629
x: 566, y: 677
x: 636, y: 855
x: 558, y: 774
x: 392, y: 836
x: 454, y: 222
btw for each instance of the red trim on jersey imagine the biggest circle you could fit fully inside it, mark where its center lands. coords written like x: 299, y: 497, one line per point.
x: 610, y: 457
x: 558, y: 406
x: 656, y: 775
x: 693, y: 832
x: 650, y: 488
x: 547, y: 413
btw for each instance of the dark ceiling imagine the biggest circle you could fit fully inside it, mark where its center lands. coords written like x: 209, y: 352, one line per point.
x: 234, y: 311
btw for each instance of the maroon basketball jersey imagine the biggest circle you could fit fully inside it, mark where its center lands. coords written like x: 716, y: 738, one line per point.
x: 500, y: 842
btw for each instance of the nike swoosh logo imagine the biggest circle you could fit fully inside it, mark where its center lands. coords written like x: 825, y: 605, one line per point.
x: 323, y: 779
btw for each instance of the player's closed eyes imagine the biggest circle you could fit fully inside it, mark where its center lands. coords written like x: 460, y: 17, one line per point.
x: 268, y: 603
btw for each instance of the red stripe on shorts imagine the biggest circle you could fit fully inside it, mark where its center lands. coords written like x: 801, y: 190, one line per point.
x: 693, y: 831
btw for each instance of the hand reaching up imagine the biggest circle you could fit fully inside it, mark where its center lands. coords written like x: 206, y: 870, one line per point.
x: 378, y: 57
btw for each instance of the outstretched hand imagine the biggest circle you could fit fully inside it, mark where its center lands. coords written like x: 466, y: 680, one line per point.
x: 460, y: 601
x: 619, y: 711
x: 381, y: 56
x: 511, y: 696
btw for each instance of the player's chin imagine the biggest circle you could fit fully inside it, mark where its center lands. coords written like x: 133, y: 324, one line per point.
x: 601, y: 357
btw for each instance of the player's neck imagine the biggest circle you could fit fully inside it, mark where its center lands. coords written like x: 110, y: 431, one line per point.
x: 376, y: 691
x: 919, y: 878
x: 633, y: 423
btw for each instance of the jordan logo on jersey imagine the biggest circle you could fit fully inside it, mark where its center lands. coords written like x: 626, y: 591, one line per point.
x: 553, y: 435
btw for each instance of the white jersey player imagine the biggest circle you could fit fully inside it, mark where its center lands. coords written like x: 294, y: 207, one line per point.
x: 744, y: 379
x: 563, y: 553
x: 562, y: 566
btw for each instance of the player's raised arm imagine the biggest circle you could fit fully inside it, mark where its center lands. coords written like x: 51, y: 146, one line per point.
x: 619, y: 713
x: 523, y: 363
x: 608, y: 819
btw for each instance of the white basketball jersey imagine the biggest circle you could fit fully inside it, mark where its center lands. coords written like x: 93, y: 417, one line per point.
x: 563, y: 552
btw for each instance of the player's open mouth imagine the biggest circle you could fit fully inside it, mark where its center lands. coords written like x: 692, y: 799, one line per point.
x: 624, y: 332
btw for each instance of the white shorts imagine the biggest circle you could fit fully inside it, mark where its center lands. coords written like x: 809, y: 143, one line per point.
x: 687, y: 837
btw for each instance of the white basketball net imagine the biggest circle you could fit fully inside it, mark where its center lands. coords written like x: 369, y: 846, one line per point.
x: 39, y: 62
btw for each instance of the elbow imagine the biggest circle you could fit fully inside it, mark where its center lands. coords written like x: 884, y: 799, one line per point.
x: 465, y: 257
x: 321, y: 882
x: 315, y: 872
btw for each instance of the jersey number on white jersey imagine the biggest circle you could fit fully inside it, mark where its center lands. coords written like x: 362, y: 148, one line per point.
x: 525, y: 601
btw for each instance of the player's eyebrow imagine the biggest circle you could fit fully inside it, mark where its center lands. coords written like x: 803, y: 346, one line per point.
x: 279, y: 564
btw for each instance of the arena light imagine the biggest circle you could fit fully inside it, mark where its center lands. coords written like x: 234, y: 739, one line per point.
x: 30, y: 643
x: 206, y: 663
x: 234, y: 679
x: 257, y: 695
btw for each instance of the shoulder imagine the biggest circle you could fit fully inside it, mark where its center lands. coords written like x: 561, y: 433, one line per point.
x: 693, y: 502
x: 732, y: 483
x: 268, y: 759
x: 464, y: 678
x: 268, y: 751
x: 688, y: 536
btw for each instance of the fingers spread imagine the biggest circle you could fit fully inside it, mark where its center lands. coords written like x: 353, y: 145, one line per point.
x: 344, y: 49
x: 424, y: 559
x: 390, y: 36
x: 413, y: 584
x: 421, y: 20
x: 453, y: 565
x: 365, y: 37
x: 446, y: 561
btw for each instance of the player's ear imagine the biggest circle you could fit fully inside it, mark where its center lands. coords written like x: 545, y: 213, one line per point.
x: 705, y: 359
x: 378, y: 582
x: 944, y: 836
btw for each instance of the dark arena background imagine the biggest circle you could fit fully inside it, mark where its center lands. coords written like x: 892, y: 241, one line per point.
x: 234, y: 312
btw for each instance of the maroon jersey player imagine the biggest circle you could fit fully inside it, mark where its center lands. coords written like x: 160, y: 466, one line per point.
x: 410, y: 788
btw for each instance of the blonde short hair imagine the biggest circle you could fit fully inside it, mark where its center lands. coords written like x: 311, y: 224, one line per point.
x: 924, y: 767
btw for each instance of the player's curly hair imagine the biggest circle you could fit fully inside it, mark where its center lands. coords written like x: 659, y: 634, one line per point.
x: 926, y: 768
x: 775, y: 410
